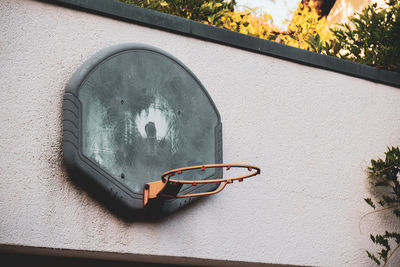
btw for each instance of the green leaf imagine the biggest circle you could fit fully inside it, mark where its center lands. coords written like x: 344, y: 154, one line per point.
x: 369, y: 202
x: 396, y: 212
x: 372, y: 257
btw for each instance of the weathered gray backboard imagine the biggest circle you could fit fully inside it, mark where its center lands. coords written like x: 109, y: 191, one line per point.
x: 133, y: 112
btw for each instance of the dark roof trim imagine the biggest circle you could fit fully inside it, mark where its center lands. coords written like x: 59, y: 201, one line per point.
x: 150, y: 18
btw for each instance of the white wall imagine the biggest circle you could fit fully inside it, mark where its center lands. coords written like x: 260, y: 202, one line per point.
x: 311, y: 131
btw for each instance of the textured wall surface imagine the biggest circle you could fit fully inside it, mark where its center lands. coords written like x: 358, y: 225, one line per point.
x: 311, y: 131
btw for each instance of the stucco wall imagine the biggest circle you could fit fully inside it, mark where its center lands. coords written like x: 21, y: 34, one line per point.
x: 312, y: 132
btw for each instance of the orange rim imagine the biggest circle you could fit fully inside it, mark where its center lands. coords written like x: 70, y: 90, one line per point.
x: 155, y: 189
x: 166, y: 175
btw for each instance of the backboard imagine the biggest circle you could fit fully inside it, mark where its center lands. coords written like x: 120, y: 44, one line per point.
x: 133, y: 112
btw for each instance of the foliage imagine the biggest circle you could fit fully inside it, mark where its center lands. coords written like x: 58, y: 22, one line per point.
x: 372, y: 37
x: 384, y: 175
x: 306, y: 22
x: 221, y: 13
x: 247, y: 23
x: 327, y: 47
x: 210, y: 11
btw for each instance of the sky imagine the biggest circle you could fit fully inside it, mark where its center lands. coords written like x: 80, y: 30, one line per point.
x: 278, y: 9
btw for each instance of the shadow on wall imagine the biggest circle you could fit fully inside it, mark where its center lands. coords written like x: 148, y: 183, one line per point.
x: 42, y: 257
x: 18, y: 260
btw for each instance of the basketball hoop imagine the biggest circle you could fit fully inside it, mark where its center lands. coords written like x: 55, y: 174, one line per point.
x: 168, y: 188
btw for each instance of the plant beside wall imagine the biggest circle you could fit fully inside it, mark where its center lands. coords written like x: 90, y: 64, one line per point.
x: 372, y: 38
x: 305, y: 23
x: 210, y: 11
x: 384, y: 175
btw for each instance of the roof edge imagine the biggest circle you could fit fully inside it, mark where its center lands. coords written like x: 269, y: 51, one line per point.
x: 163, y: 21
